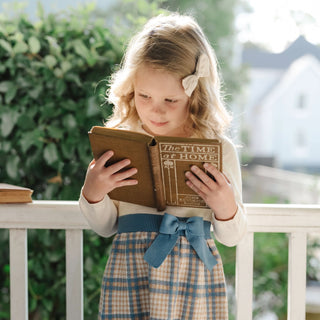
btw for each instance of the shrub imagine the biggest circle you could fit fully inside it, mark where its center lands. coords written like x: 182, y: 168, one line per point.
x: 49, y: 98
x: 53, y: 75
x: 52, y: 85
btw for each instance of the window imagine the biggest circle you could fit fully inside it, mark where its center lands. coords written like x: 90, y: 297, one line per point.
x: 301, y: 147
x: 301, y: 103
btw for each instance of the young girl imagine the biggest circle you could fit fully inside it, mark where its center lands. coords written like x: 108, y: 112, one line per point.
x: 164, y: 265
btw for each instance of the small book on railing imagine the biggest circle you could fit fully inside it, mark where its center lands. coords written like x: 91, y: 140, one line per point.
x: 161, y: 162
x: 14, y: 194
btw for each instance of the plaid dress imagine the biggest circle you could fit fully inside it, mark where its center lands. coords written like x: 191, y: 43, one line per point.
x: 181, y: 288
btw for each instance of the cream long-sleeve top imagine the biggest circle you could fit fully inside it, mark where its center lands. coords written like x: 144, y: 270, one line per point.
x: 102, y: 217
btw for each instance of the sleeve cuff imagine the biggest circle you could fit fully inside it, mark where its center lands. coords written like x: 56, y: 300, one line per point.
x: 102, y: 216
x: 230, y: 232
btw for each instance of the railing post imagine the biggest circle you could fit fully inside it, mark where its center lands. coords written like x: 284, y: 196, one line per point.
x: 74, y: 274
x: 18, y: 274
x: 297, y: 276
x: 244, y: 277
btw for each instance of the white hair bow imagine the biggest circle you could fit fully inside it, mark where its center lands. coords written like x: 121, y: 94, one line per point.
x: 190, y: 82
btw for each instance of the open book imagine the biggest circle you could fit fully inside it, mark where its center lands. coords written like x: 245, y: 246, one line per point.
x: 14, y: 194
x: 161, y: 162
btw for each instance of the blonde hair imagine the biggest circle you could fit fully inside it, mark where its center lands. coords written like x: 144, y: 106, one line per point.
x: 173, y: 43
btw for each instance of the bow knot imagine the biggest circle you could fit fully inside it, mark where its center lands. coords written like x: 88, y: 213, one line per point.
x: 182, y: 226
x: 190, y: 82
x: 170, y: 229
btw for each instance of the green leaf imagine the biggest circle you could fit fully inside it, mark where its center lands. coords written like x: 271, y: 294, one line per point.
x: 58, y: 72
x: 55, y: 132
x: 34, y: 44
x: 33, y: 304
x: 25, y: 122
x: 84, y: 52
x: 6, y: 45
x: 50, y: 154
x: 35, y: 92
x: 10, y: 94
x: 73, y: 77
x: 5, y: 146
x: 92, y: 107
x: 20, y: 47
x: 8, y: 121
x: 6, y: 85
x: 2, y: 68
x: 50, y: 61
x: 70, y: 105
x: 60, y: 87
x: 68, y: 150
x: 12, y: 167
x: 55, y: 256
x: 65, y: 66
x: 69, y: 121
x: 81, y: 49
x: 50, y: 191
x: 54, y: 47
x: 31, y: 138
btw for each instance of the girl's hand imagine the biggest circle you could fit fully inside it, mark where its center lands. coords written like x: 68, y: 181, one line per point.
x: 101, y: 180
x: 217, y: 193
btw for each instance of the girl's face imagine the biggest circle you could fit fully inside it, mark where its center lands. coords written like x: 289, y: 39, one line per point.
x: 161, y: 102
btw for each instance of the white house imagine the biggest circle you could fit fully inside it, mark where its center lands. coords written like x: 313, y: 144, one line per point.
x: 282, y: 111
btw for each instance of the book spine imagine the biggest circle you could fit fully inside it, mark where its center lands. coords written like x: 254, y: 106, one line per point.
x: 156, y: 173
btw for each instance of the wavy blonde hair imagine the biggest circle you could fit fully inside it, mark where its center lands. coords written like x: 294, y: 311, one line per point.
x: 173, y: 43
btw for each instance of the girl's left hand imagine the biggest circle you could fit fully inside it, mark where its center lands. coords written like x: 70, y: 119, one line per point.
x: 217, y: 193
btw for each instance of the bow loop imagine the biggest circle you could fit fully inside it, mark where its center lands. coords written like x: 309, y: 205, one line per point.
x: 190, y: 82
x: 169, y: 232
x: 195, y: 227
x: 203, y: 66
x: 170, y: 225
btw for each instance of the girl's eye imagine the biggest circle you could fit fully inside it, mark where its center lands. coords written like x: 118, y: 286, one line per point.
x: 144, y: 96
x: 171, y: 100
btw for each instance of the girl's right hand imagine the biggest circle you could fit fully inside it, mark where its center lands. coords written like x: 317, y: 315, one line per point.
x: 101, y: 180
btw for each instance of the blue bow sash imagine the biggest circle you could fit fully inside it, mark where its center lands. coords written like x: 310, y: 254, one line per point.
x: 170, y: 230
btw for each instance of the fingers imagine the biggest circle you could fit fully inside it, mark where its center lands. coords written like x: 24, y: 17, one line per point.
x: 204, y: 182
x: 192, y: 185
x: 215, y: 173
x: 104, y: 158
x: 91, y: 164
x: 116, y: 172
x: 113, y: 171
x: 114, y: 168
x: 198, y: 180
x: 122, y: 176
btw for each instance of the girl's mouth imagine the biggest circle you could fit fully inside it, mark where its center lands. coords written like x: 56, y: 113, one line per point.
x: 158, y: 124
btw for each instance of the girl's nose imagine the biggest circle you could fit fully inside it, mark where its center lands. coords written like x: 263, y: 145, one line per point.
x: 158, y: 107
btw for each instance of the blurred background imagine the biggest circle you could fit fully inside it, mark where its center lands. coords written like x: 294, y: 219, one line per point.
x: 55, y: 60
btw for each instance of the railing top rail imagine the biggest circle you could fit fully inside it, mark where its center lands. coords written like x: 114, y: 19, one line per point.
x: 283, y: 217
x: 42, y: 215
x: 66, y: 215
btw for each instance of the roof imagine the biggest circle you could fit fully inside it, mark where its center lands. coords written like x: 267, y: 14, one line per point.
x: 258, y: 58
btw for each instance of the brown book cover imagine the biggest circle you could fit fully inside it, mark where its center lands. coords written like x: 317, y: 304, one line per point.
x: 161, y: 162
x: 14, y: 194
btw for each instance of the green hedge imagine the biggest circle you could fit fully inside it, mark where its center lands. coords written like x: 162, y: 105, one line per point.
x: 49, y: 97
x: 53, y: 74
x: 52, y: 84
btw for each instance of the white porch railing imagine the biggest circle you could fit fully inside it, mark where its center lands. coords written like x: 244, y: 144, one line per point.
x: 295, y: 220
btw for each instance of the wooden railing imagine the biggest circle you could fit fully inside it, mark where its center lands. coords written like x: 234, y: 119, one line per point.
x: 295, y: 220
